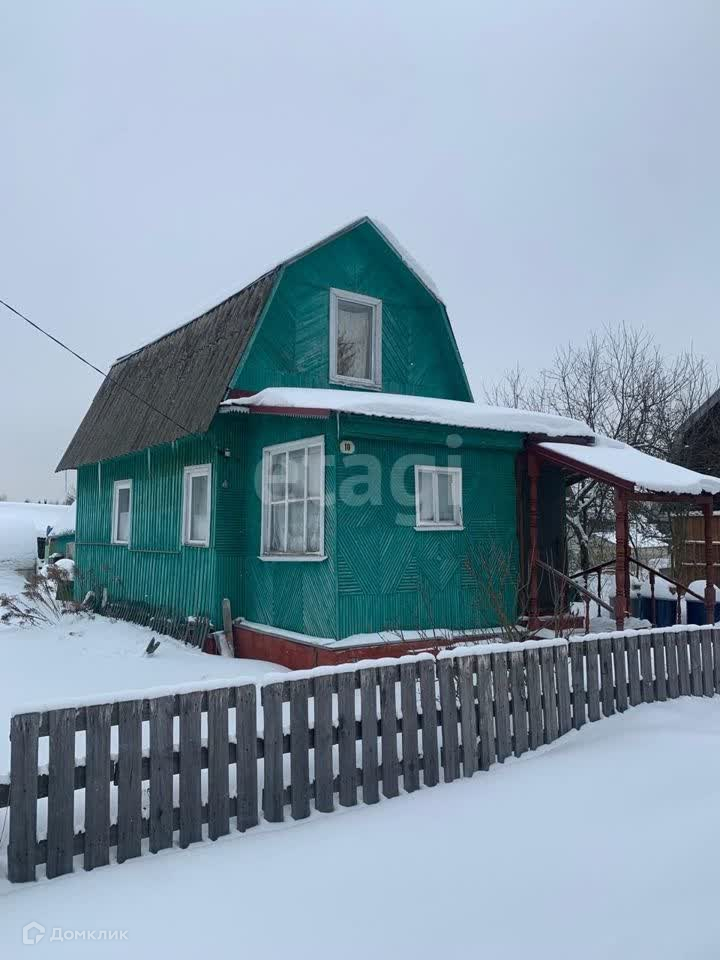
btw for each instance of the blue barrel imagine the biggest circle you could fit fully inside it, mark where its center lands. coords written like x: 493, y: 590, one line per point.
x: 696, y: 611
x: 665, y: 610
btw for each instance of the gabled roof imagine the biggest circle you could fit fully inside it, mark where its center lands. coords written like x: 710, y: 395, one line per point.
x: 172, y: 386
x: 697, y: 415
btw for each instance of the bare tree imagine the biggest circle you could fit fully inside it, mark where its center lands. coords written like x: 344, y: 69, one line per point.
x: 622, y: 386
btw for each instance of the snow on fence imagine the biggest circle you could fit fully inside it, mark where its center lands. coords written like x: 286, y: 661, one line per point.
x: 327, y: 735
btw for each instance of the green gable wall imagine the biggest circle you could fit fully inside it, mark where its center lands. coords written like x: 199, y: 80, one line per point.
x: 290, y: 346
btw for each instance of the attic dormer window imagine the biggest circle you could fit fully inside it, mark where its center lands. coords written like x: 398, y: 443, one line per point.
x: 355, y: 339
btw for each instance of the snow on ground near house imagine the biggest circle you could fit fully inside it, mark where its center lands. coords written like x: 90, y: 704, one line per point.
x: 22, y: 523
x: 96, y: 659
x: 596, y: 846
x: 646, y: 472
x: 451, y: 413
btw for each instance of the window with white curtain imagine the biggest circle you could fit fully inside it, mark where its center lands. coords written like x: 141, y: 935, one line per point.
x: 196, y: 505
x: 438, y: 498
x: 121, y: 512
x: 355, y: 339
x: 293, y: 500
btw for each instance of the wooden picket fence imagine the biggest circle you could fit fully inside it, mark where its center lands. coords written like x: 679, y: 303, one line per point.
x: 348, y: 733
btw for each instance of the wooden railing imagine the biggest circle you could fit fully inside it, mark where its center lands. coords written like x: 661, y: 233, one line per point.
x: 682, y: 589
x: 489, y: 701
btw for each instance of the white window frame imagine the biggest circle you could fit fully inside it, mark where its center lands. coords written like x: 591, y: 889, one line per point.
x: 117, y: 487
x: 375, y: 382
x: 457, y: 522
x: 268, y: 453
x: 197, y: 470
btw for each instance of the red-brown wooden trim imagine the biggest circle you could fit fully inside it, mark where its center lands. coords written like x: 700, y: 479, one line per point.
x: 562, y: 460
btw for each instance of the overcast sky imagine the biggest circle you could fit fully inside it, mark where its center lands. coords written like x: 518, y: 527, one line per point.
x: 552, y: 165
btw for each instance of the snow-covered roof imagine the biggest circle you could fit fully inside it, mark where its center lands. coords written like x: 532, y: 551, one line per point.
x: 450, y: 413
x: 647, y: 473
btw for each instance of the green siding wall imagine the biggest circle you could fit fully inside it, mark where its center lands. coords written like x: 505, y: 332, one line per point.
x: 291, y: 344
x: 393, y: 577
x: 300, y: 595
x: 156, y: 568
x: 380, y: 573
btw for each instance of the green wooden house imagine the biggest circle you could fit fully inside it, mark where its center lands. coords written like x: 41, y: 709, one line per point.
x: 309, y: 448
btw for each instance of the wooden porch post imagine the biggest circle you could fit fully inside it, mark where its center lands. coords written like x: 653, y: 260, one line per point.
x: 533, y: 472
x: 709, y: 563
x: 621, y: 555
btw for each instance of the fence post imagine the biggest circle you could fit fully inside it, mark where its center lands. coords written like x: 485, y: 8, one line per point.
x: 22, y: 847
x: 61, y: 792
x: 448, y: 706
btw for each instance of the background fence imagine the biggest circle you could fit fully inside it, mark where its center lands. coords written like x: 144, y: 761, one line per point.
x: 155, y: 770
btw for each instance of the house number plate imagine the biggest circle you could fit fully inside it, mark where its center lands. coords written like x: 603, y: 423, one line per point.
x: 347, y: 446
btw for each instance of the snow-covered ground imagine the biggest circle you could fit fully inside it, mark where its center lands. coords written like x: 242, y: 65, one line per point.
x: 22, y: 523
x: 95, y: 657
x: 595, y: 846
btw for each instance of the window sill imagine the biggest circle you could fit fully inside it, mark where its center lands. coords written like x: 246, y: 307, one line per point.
x: 190, y: 543
x: 292, y: 558
x: 120, y: 543
x: 438, y: 527
x: 355, y: 384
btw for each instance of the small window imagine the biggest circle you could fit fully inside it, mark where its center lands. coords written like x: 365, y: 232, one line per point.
x: 122, y: 507
x: 355, y: 339
x: 196, y: 506
x: 438, y: 498
x: 293, y: 499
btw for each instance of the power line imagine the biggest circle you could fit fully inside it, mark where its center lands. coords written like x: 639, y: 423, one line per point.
x: 92, y: 366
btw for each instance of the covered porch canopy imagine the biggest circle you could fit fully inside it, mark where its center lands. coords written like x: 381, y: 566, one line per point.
x: 635, y: 476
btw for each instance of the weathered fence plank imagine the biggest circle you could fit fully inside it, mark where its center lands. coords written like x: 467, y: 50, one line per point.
x: 246, y: 756
x: 369, y: 731
x: 658, y: 645
x: 503, y: 733
x: 388, y: 727
x: 218, y: 763
x: 448, y: 707
x: 23, y: 796
x: 634, y: 683
x: 347, y: 750
x: 61, y: 792
x: 607, y: 681
x: 549, y: 697
x: 535, y: 717
x: 299, y: 750
x: 683, y: 655
x: 577, y: 659
x: 161, y: 773
x: 273, y: 796
x: 593, y: 679
x: 621, y: 683
x: 428, y: 702
x: 190, y: 768
x: 671, y: 663
x: 408, y: 705
x: 562, y: 675
x: 129, y: 771
x: 98, y: 772
x: 485, y: 718
x: 695, y: 664
x: 519, y: 703
x: 646, y: 668
x: 707, y: 663
x: 468, y: 715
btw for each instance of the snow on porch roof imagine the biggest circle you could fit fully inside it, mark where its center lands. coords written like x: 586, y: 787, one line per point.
x: 450, y: 413
x: 613, y: 460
